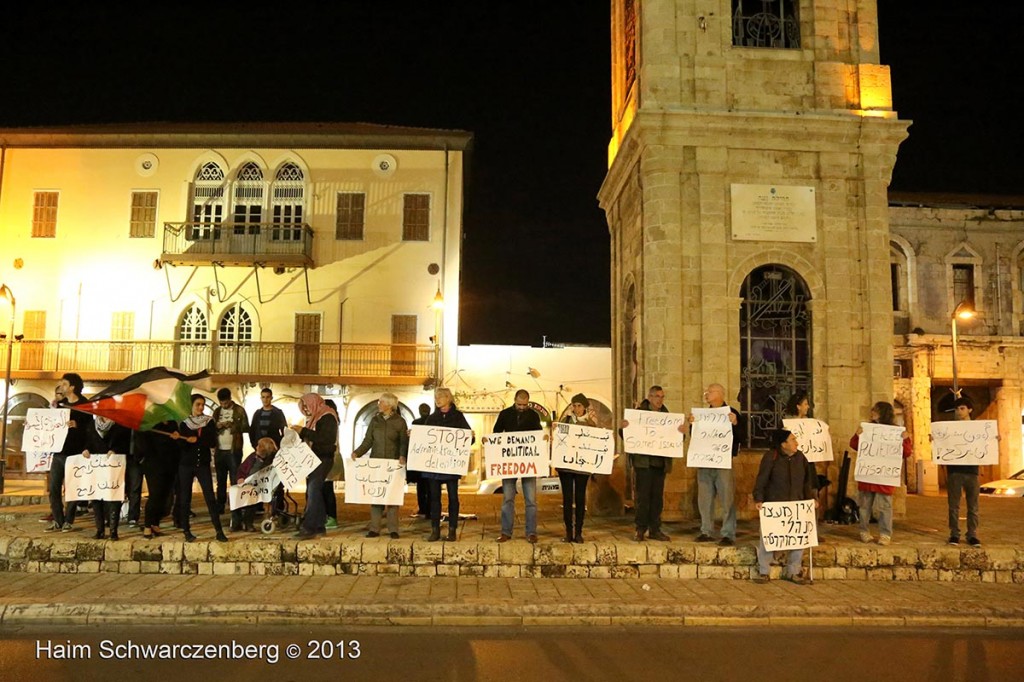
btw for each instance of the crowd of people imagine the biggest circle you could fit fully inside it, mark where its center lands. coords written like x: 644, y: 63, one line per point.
x: 208, y: 448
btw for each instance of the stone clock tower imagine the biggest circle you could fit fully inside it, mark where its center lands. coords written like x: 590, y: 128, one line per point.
x: 752, y: 146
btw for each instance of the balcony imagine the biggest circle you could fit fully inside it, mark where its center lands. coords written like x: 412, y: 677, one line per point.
x: 302, y: 363
x: 247, y: 244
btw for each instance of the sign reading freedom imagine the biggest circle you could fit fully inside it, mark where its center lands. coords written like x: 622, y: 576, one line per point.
x: 517, y: 454
x: 653, y: 433
x: 439, y: 449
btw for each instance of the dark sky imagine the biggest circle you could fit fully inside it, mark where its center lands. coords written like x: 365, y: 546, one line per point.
x: 529, y: 79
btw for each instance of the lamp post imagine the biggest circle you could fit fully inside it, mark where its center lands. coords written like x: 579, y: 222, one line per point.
x: 5, y: 292
x: 438, y: 306
x: 963, y: 311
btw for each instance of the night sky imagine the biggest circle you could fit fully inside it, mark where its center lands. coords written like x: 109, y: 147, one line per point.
x: 530, y: 80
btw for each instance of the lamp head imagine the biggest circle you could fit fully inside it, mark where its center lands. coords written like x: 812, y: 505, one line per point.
x: 964, y: 310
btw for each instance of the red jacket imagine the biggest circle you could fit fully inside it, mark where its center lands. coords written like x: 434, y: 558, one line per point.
x: 908, y: 448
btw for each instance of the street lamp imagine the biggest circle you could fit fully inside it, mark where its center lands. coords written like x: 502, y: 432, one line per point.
x: 963, y: 311
x: 5, y: 292
x: 438, y: 306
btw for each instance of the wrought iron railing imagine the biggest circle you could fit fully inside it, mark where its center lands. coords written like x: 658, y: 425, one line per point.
x: 270, y: 359
x: 255, y: 241
x: 765, y: 23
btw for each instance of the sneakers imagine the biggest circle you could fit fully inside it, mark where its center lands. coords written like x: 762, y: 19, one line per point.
x: 865, y: 536
x: 332, y: 523
x: 704, y: 537
x: 47, y: 519
x: 974, y: 542
x: 761, y: 579
x: 953, y: 540
x: 884, y: 539
x: 53, y: 527
x: 639, y: 537
x: 66, y: 528
x: 797, y: 579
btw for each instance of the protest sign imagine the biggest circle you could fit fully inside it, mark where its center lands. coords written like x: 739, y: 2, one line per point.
x: 374, y: 481
x: 517, y: 454
x: 965, y: 443
x: 710, y: 438
x: 788, y: 525
x: 45, y: 429
x: 259, y: 487
x: 37, y: 462
x: 293, y: 463
x: 813, y: 437
x: 653, y: 433
x: 587, y: 449
x: 98, y: 477
x: 880, y: 454
x: 439, y: 449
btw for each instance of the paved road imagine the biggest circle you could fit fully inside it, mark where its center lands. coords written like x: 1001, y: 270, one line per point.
x: 548, y: 654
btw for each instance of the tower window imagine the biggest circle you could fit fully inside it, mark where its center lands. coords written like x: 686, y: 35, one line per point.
x: 765, y: 23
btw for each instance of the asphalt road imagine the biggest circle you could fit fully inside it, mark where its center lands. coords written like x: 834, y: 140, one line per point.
x: 402, y: 654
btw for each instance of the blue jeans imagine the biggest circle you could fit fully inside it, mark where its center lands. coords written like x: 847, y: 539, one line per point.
x: 709, y: 483
x: 968, y: 483
x: 508, y: 507
x: 314, y: 520
x: 794, y: 559
x: 867, y: 500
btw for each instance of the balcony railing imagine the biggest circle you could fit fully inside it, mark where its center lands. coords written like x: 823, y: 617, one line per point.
x: 227, y: 243
x: 269, y: 361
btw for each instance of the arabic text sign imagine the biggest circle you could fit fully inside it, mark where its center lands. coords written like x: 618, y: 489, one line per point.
x: 813, y: 437
x: 439, y: 449
x: 587, y: 449
x: 965, y: 443
x: 294, y: 463
x: 880, y: 454
x: 653, y: 433
x: 517, y: 454
x: 99, y: 477
x: 37, y: 462
x: 374, y: 481
x: 710, y: 438
x: 259, y: 487
x: 45, y: 429
x: 788, y: 525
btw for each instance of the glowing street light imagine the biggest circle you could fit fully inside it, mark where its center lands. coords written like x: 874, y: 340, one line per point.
x: 963, y: 311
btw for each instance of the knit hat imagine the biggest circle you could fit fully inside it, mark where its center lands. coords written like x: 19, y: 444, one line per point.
x: 581, y: 399
x: 779, y: 437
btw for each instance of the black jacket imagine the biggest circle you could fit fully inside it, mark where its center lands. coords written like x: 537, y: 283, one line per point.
x: 785, y: 479
x: 324, y: 438
x: 511, y: 419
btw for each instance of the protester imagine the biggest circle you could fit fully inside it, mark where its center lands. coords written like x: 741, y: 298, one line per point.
x: 719, y: 483
x: 871, y: 494
x: 963, y: 477
x: 321, y: 434
x: 261, y: 457
x: 387, y: 437
x: 574, y: 483
x: 519, y: 417
x: 231, y: 423
x: 79, y: 425
x: 197, y: 438
x: 160, y: 463
x: 785, y: 475
x: 330, y: 500
x: 422, y: 485
x: 268, y: 421
x: 448, y: 415
x: 798, y: 406
x: 650, y: 472
x: 106, y: 437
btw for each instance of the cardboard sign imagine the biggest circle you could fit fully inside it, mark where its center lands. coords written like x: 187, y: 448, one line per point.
x: 97, y: 477
x: 880, y: 454
x: 374, y: 481
x: 439, y: 449
x: 517, y: 454
x: 259, y: 487
x: 45, y: 429
x: 37, y: 462
x: 293, y: 463
x: 788, y: 525
x: 587, y: 449
x: 966, y: 443
x: 813, y: 437
x: 653, y: 433
x: 710, y: 438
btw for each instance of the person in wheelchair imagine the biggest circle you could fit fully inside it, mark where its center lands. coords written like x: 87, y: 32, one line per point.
x: 262, y: 457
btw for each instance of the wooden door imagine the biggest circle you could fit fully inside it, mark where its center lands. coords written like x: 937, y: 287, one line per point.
x: 307, y: 343
x: 34, y: 328
x: 403, y: 345
x: 122, y: 330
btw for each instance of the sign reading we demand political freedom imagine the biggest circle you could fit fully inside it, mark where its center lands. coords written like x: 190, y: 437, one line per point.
x: 517, y: 454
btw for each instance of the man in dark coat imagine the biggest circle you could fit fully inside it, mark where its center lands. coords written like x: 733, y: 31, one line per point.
x: 519, y: 417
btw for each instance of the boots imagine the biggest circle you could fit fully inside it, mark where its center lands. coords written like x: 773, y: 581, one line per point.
x: 452, y: 534
x: 435, y: 533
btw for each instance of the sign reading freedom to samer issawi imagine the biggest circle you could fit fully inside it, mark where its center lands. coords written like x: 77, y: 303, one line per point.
x: 517, y: 454
x: 777, y: 213
x: 439, y: 449
x: 653, y: 433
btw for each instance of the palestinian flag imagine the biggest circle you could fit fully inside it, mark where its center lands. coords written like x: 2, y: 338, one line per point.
x: 147, y: 398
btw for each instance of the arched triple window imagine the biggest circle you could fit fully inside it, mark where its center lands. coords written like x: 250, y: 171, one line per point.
x: 288, y: 199
x: 248, y: 195
x: 207, y: 202
x: 775, y: 347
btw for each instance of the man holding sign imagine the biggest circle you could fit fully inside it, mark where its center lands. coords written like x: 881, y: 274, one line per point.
x: 719, y: 481
x: 962, y: 477
x: 785, y: 476
x: 71, y: 385
x: 519, y: 417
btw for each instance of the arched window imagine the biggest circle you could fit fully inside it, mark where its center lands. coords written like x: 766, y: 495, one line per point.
x: 288, y: 200
x: 193, y: 325
x: 899, y: 274
x: 193, y: 334
x: 235, y: 326
x: 207, y: 202
x: 248, y: 199
x: 775, y: 347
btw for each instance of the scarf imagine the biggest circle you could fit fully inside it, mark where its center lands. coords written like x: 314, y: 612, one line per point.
x: 316, y: 408
x: 196, y: 423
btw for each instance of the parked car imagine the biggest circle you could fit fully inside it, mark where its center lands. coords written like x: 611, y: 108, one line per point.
x: 1007, y: 487
x: 547, y: 485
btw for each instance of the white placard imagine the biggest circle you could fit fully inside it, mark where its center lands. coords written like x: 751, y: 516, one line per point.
x: 965, y: 443
x: 97, y: 477
x: 813, y: 437
x: 37, y: 462
x: 880, y: 454
x: 259, y: 487
x: 517, y: 454
x: 775, y: 213
x: 710, y: 438
x: 374, y: 481
x: 439, y: 449
x: 45, y: 429
x: 653, y: 433
x: 788, y: 525
x: 587, y: 449
x: 293, y: 463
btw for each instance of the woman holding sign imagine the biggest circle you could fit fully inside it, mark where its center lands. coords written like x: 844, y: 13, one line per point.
x: 574, y: 483
x: 870, y: 494
x: 387, y: 437
x: 321, y: 434
x: 113, y: 439
x: 448, y: 415
x: 197, y: 438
